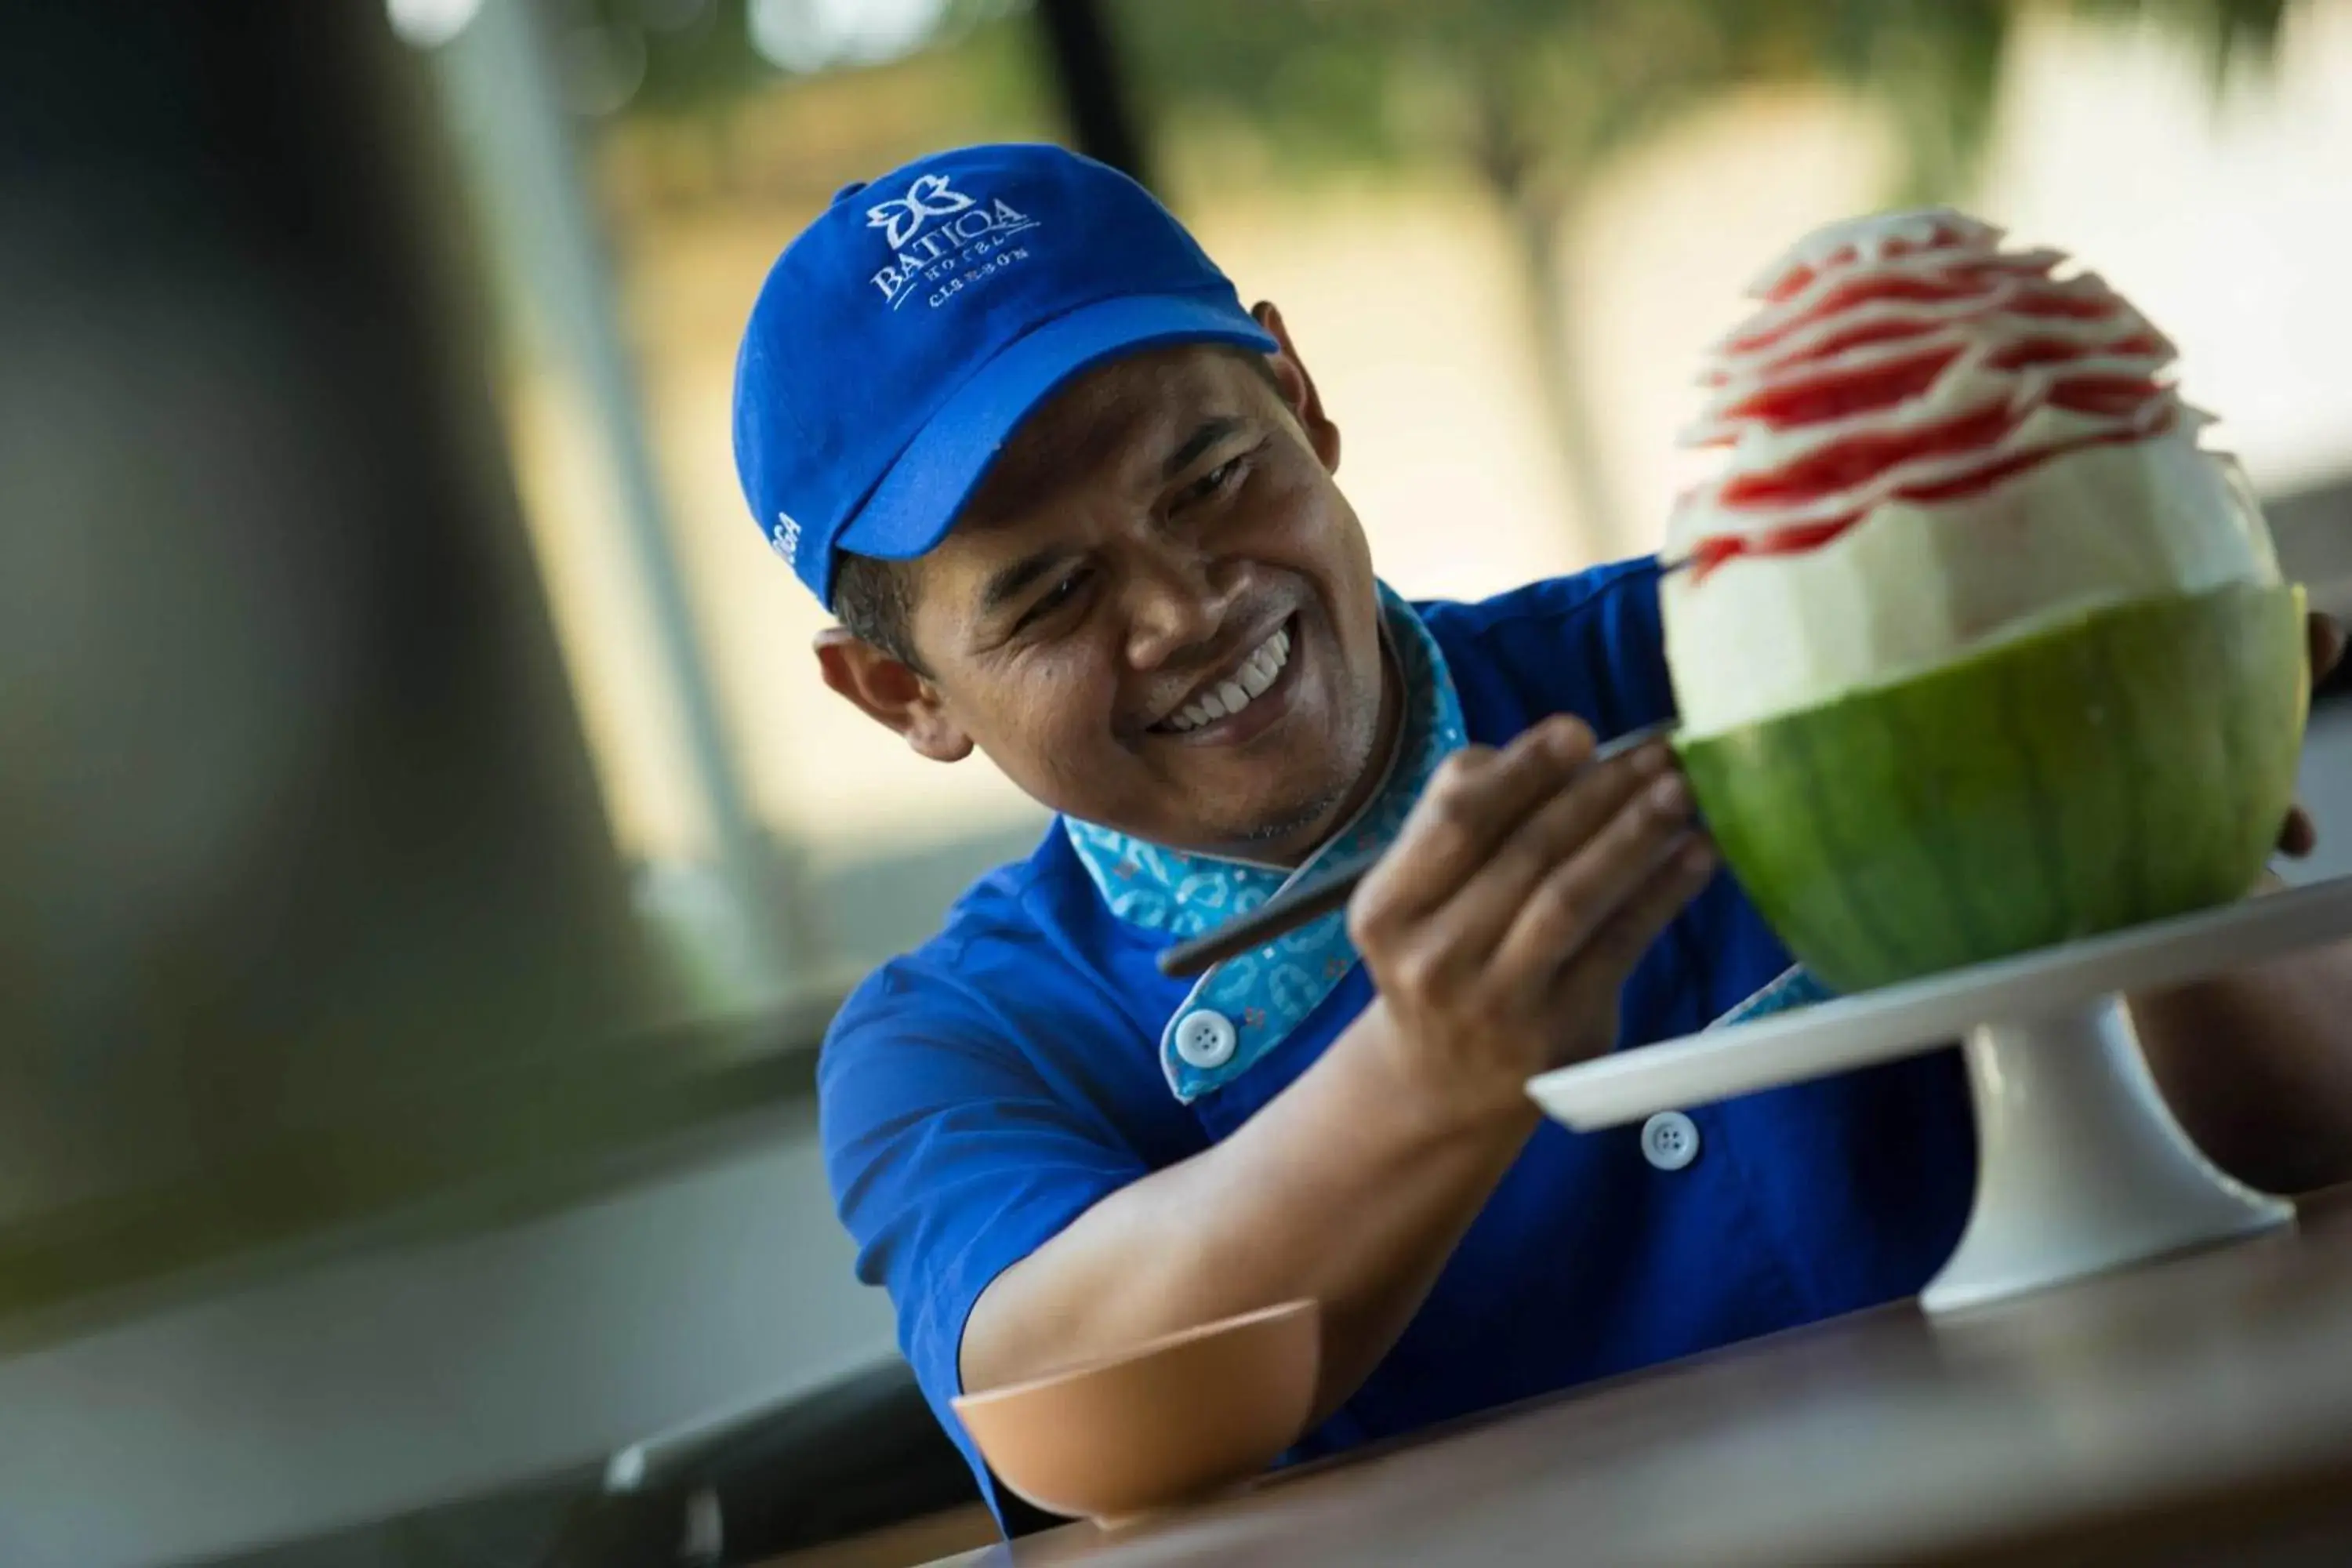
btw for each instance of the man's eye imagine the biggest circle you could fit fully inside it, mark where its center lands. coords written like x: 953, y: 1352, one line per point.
x: 1216, y: 480
x: 1059, y: 594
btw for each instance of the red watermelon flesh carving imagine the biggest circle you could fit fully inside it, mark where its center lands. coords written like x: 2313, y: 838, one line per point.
x: 1914, y: 362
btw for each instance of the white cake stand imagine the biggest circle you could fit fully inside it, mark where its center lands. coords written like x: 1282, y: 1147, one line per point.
x: 2080, y: 1166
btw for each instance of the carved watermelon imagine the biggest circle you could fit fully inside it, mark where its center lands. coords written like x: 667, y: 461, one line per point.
x: 1979, y: 650
x: 2131, y: 763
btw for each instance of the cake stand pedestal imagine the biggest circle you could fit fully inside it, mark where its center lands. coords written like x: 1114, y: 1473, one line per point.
x: 2081, y: 1168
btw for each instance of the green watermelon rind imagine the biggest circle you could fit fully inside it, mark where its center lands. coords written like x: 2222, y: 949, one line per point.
x: 2134, y: 762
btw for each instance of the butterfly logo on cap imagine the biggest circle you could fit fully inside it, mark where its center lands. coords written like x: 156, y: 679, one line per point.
x: 902, y: 217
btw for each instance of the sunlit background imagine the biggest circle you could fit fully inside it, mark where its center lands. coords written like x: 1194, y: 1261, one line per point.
x: 292, y: 1288
x: 1502, y: 254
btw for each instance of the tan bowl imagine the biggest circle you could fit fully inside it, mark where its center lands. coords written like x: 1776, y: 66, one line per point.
x: 1171, y: 1420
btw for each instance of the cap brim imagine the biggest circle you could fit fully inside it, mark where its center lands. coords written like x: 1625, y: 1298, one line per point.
x: 916, y: 503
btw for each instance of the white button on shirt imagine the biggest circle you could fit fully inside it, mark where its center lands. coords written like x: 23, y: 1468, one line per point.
x: 1670, y: 1140
x: 1205, y: 1039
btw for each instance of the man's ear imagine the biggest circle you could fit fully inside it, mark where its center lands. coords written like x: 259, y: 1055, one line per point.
x: 891, y: 692
x: 1298, y: 387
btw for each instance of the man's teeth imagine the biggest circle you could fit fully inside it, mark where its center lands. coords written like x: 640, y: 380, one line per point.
x: 1247, y: 684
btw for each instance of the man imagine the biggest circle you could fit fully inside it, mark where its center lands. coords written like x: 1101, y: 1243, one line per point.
x: 1076, y: 509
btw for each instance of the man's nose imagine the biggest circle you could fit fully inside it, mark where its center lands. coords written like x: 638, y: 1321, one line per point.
x: 1177, y: 600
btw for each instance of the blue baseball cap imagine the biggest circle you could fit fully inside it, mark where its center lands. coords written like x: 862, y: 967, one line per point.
x: 902, y: 337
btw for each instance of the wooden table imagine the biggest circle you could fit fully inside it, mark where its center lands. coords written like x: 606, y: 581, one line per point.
x: 2191, y: 1411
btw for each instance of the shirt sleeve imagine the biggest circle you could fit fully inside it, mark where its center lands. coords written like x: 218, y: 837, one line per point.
x: 951, y: 1158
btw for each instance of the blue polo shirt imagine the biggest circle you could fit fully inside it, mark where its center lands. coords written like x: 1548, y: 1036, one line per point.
x: 981, y: 1093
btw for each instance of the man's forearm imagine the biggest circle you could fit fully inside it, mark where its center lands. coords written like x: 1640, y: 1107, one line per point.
x: 1343, y: 1188
x: 2257, y: 1065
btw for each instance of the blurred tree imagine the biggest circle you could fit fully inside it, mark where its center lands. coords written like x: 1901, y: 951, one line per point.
x: 1536, y: 96
x: 685, y: 58
x: 745, y: 100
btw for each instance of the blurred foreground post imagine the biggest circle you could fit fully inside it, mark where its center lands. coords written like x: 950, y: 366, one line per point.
x: 296, y: 821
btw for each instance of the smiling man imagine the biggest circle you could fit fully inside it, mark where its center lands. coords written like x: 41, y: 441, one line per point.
x: 1076, y: 509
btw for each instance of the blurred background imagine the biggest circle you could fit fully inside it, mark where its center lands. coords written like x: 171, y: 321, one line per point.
x: 427, y: 859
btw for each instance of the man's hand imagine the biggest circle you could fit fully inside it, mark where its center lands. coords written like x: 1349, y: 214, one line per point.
x: 1522, y: 890
x: 2301, y: 835
x: 2254, y: 1062
x: 1499, y: 929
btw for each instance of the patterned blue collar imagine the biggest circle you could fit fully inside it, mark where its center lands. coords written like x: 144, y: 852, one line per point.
x: 1246, y: 1006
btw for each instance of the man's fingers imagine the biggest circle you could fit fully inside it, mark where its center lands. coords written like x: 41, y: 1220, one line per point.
x: 1463, y: 933
x: 2300, y: 836
x: 1477, y: 797
x: 2326, y: 640
x: 1560, y: 913
x: 1611, y: 952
